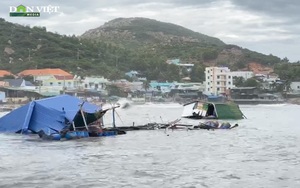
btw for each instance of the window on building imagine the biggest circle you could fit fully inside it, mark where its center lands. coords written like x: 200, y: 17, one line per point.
x: 218, y: 77
x: 218, y: 89
x: 208, y: 71
x: 208, y: 77
x: 207, y: 89
x: 85, y: 85
x: 221, y: 70
x: 207, y: 83
x: 298, y: 87
x: 218, y: 83
x: 59, y: 83
x: 229, y: 83
x: 51, y: 83
x: 229, y: 76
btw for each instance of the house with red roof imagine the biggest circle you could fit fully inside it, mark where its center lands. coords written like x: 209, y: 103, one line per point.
x: 51, y: 81
x: 43, y: 74
x: 4, y: 73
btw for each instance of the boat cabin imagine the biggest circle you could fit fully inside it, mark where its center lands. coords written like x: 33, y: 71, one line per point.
x: 209, y: 110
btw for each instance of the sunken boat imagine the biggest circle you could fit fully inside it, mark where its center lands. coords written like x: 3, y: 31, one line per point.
x: 211, y: 110
x: 57, y: 117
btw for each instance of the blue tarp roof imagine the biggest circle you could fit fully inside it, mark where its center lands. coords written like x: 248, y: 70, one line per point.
x: 46, y: 114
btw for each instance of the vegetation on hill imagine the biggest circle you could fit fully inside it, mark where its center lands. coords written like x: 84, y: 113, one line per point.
x: 119, y: 46
x: 143, y: 31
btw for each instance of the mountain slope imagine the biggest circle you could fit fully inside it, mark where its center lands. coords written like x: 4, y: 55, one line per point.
x: 141, y: 31
x: 168, y: 40
x: 122, y: 45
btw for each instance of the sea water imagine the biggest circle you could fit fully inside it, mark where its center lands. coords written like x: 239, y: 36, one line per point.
x: 263, y: 151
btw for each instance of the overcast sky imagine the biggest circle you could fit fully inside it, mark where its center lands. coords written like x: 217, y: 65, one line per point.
x: 265, y: 26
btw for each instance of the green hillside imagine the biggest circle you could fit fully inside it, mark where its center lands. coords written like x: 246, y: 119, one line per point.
x: 119, y: 46
x: 172, y: 41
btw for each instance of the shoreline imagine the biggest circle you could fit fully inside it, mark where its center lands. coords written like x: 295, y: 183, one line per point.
x: 293, y: 101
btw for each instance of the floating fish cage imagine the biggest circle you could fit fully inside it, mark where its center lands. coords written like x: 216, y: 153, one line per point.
x: 84, y: 134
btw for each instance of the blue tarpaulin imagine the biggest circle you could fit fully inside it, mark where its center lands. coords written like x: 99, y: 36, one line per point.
x: 49, y: 115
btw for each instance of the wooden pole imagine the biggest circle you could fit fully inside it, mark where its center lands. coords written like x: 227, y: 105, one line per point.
x: 73, y: 124
x: 83, y: 117
x: 114, y: 120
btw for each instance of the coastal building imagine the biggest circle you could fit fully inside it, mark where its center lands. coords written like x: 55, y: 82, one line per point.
x: 177, y: 62
x: 4, y: 73
x: 251, y: 95
x: 2, y: 98
x: 244, y: 74
x: 183, y: 92
x: 137, y: 86
x: 132, y: 74
x: 43, y: 74
x: 197, y: 86
x: 123, y: 84
x: 67, y: 82
x: 18, y: 90
x: 244, y: 93
x: 218, y: 80
x: 163, y: 87
x: 96, y: 83
x: 19, y: 84
x: 135, y: 76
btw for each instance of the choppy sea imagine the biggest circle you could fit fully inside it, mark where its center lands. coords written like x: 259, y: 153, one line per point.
x: 264, y: 151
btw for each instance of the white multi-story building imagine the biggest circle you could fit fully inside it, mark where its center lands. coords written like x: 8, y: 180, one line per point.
x: 218, y: 80
x: 245, y: 74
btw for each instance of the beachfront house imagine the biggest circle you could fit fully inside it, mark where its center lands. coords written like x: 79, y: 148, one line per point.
x: 43, y: 74
x: 95, y: 83
x: 20, y: 84
x: 163, y: 87
x: 50, y: 82
x: 67, y: 82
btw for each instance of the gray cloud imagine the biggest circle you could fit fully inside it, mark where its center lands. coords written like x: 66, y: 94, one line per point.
x: 276, y: 8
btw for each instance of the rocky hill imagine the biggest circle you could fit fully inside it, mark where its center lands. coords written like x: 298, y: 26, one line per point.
x: 173, y: 41
x: 141, y: 31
